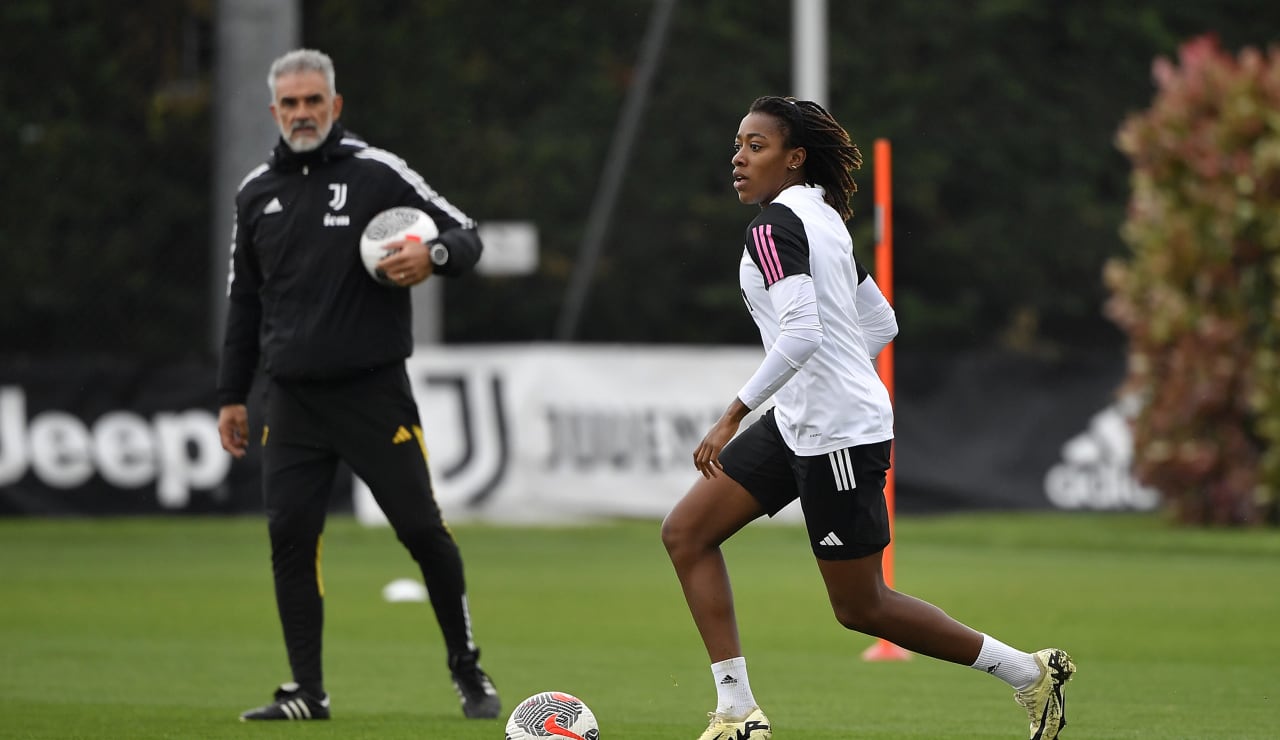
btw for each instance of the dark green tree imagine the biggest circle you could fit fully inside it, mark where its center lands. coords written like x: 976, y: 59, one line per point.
x: 104, y: 135
x: 1008, y: 190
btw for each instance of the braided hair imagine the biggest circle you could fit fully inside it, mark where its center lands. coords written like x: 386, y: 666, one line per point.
x: 832, y: 156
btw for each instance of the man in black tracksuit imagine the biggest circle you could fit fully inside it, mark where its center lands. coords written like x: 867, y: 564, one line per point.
x: 332, y: 342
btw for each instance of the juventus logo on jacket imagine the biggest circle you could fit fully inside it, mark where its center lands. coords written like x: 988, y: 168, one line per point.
x: 339, y: 198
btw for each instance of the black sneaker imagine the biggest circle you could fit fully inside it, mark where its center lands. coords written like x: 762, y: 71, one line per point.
x: 291, y: 702
x: 475, y: 690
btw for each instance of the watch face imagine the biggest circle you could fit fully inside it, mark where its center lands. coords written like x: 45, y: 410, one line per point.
x: 439, y: 254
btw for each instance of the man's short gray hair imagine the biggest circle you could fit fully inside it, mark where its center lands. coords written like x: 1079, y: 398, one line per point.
x: 302, y: 60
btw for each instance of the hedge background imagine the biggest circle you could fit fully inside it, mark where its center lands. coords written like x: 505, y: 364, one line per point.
x: 1009, y: 189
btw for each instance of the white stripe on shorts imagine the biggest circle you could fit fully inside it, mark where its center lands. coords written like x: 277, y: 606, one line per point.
x: 842, y: 470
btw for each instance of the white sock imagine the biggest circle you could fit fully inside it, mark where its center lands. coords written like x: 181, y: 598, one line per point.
x: 733, y: 690
x: 1014, y: 667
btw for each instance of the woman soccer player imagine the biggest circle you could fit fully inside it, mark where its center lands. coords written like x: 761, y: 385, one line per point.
x: 827, y: 438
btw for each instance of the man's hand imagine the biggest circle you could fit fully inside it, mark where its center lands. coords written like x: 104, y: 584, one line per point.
x: 233, y: 428
x: 409, y: 265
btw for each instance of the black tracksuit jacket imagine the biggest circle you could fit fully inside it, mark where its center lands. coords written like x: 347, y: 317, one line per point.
x: 300, y: 299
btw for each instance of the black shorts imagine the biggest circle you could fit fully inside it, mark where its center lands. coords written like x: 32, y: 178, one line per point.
x: 841, y: 492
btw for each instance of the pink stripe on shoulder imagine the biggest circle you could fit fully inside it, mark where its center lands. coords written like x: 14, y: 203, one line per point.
x: 767, y: 251
x: 757, y: 235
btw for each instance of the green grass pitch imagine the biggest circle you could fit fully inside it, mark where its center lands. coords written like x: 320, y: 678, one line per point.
x: 165, y: 628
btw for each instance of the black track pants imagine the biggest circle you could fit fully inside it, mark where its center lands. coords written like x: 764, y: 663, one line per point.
x: 371, y: 423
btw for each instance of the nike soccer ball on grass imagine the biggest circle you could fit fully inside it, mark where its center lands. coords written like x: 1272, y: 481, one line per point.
x: 393, y: 225
x: 552, y: 714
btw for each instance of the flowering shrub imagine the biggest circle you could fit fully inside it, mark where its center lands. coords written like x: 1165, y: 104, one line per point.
x: 1198, y: 294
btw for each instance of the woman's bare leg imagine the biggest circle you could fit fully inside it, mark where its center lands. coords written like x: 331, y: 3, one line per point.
x: 863, y: 602
x: 711, y: 512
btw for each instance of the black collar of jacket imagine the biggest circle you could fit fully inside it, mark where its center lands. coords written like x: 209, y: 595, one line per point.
x: 284, y: 159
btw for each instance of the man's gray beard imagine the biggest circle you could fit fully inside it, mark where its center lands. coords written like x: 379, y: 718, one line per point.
x: 307, y: 144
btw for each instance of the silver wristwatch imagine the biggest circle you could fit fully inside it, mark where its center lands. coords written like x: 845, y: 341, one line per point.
x: 439, y: 254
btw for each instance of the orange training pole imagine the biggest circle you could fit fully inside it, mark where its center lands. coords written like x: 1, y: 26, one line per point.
x: 883, y: 649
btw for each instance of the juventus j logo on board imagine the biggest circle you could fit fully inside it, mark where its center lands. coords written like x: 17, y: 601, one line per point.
x: 339, y: 198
